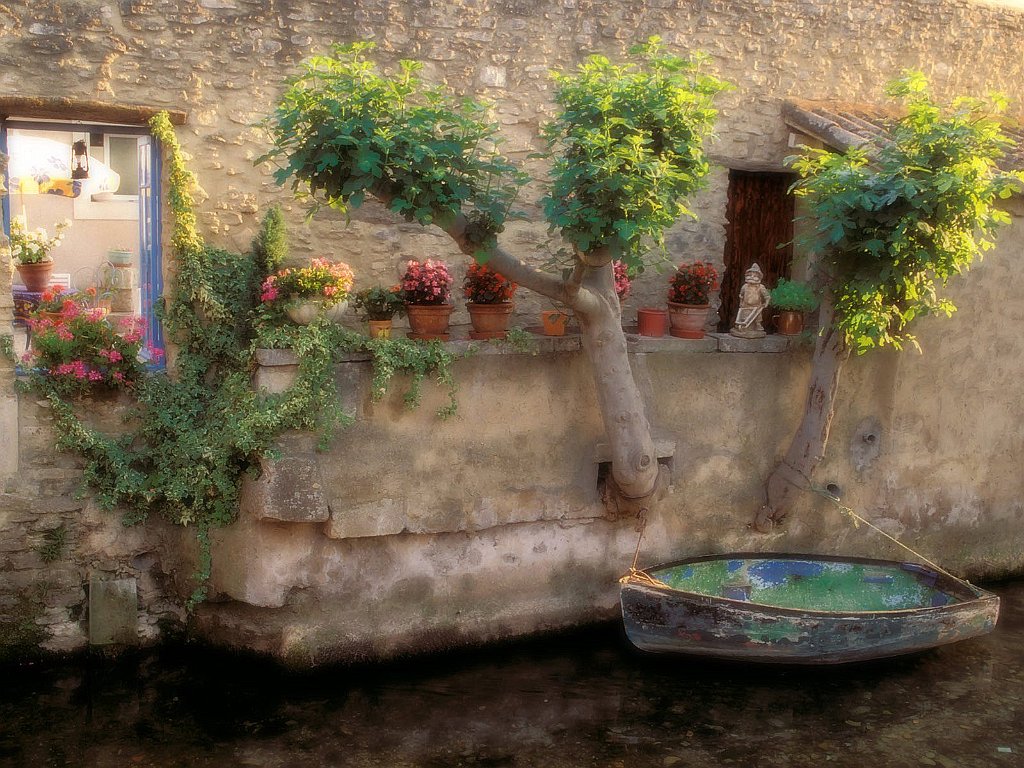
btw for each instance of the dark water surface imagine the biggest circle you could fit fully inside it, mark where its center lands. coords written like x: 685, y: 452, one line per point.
x: 584, y: 699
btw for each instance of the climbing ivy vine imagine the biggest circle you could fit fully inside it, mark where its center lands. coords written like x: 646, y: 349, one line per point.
x: 197, y: 431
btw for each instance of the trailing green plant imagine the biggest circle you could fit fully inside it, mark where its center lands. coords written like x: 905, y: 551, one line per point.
x: 793, y: 295
x: 519, y: 340
x: 627, y: 149
x: 894, y: 221
x: 319, y: 343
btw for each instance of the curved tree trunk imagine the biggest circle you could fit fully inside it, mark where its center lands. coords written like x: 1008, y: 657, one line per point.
x: 636, y: 480
x: 806, y: 451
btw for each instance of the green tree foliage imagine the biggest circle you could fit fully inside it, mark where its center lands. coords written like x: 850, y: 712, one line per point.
x: 893, y: 222
x: 342, y: 130
x: 628, y: 149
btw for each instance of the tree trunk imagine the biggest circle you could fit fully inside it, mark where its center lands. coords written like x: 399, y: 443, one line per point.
x: 636, y: 479
x: 807, y: 449
x: 634, y: 483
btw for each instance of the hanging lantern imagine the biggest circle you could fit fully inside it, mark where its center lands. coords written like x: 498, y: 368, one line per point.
x: 79, y: 160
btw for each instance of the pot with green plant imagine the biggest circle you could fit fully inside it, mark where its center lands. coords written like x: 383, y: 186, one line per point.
x: 490, y: 301
x: 792, y: 299
x: 306, y: 293
x: 31, y: 248
x: 380, y: 305
x: 689, y: 298
x: 427, y: 289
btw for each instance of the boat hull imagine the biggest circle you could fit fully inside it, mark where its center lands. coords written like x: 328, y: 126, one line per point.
x: 662, y: 619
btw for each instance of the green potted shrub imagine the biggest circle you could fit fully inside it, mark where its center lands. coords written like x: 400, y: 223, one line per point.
x: 380, y: 305
x: 792, y: 298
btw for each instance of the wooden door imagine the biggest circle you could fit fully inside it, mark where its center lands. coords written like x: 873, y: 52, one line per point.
x: 759, y: 229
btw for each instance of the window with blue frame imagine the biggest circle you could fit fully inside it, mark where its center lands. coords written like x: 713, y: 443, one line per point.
x: 105, y: 181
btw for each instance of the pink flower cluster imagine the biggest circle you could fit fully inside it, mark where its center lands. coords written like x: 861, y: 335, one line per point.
x: 268, y: 291
x: 427, y: 283
x: 78, y: 369
x: 323, y: 278
x: 81, y: 350
x: 622, y: 282
x: 131, y: 329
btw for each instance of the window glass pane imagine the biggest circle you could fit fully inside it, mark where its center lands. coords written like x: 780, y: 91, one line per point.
x: 124, y: 159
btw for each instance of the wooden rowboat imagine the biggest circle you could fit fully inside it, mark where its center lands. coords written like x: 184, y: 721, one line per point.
x: 799, y: 609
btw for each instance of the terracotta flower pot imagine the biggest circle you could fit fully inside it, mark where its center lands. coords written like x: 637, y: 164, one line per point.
x: 490, y: 321
x: 380, y: 329
x: 554, y: 322
x: 429, y: 321
x: 688, y: 320
x: 304, y: 311
x: 36, y: 277
x: 790, y: 322
x: 651, y: 322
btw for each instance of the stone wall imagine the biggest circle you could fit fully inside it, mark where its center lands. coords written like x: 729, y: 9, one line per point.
x: 224, y: 62
x: 425, y: 543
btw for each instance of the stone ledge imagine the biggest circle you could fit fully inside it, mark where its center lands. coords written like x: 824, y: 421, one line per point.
x: 540, y: 345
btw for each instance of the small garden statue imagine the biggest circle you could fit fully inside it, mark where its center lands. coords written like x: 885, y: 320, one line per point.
x: 754, y: 298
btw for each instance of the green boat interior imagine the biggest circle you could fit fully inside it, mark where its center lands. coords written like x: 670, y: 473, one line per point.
x: 812, y: 584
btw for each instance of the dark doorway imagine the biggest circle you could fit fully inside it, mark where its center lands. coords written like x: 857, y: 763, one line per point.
x: 759, y: 229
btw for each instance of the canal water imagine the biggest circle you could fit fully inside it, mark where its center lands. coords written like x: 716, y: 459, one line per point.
x: 576, y: 700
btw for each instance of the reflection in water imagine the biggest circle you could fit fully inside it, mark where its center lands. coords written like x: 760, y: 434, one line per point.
x: 584, y: 699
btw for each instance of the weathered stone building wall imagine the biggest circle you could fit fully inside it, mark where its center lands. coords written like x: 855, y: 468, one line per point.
x: 437, y: 543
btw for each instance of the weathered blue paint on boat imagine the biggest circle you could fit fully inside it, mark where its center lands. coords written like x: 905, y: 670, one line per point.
x: 800, y: 609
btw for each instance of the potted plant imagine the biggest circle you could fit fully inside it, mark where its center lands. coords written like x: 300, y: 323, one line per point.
x: 427, y: 290
x: 120, y: 256
x: 380, y: 305
x: 490, y: 301
x: 305, y: 293
x: 554, y: 322
x: 689, y: 298
x: 792, y: 298
x: 31, y: 252
x: 56, y: 303
x: 84, y: 351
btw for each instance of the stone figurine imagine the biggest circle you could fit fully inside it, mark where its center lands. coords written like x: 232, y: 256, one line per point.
x: 754, y: 299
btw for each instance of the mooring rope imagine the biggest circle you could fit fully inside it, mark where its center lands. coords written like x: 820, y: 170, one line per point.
x: 635, y: 574
x: 857, y: 519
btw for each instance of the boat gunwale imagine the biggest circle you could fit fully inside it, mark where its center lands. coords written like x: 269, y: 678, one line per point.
x: 979, y: 595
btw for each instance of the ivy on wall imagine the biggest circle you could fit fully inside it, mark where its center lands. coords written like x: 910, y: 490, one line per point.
x: 197, y: 430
